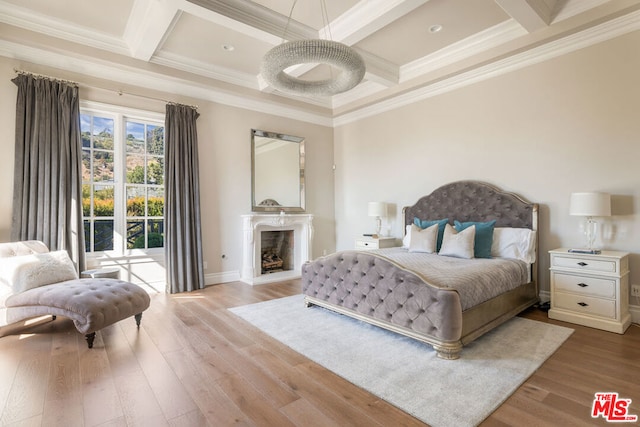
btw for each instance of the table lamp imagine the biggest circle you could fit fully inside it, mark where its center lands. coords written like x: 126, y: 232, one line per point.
x: 378, y: 210
x: 590, y: 205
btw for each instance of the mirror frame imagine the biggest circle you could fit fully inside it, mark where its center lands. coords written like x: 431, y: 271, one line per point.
x: 255, y: 207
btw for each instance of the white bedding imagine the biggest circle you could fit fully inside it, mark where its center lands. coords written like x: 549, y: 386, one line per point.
x: 476, y: 280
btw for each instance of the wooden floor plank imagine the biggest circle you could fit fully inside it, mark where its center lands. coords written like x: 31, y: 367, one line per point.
x: 28, y: 391
x: 100, y: 398
x: 213, y: 404
x: 252, y: 402
x: 167, y: 388
x: 139, y: 404
x: 194, y: 363
x: 303, y: 413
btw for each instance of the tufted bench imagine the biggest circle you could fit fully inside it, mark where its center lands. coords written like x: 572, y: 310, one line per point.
x: 36, y: 282
x: 92, y: 304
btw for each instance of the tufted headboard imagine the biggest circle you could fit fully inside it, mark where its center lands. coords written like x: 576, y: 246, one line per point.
x: 474, y: 201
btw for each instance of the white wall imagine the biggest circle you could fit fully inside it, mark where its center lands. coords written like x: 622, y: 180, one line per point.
x: 225, y: 168
x: 568, y: 124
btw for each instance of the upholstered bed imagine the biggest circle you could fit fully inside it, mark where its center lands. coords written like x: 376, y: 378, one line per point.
x: 445, y: 301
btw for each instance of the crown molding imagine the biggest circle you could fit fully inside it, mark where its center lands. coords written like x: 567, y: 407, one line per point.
x: 485, y: 40
x: 605, y: 31
x: 151, y: 80
x: 367, y: 17
x: 379, y: 69
x: 258, y: 16
x: 27, y: 19
x: 573, y: 7
x: 364, y: 89
x: 200, y: 68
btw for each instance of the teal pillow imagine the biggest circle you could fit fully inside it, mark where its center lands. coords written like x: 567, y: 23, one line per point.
x: 484, y: 236
x: 426, y: 224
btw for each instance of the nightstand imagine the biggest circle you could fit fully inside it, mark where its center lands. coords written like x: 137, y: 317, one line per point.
x: 364, y: 242
x: 591, y: 290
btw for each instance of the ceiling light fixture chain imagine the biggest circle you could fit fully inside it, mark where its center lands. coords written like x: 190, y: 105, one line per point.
x: 286, y: 27
x: 325, y: 20
x: 287, y: 54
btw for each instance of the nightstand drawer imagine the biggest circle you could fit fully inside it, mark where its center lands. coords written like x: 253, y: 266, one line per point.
x: 605, y: 266
x: 584, y: 304
x: 367, y: 244
x: 590, y: 286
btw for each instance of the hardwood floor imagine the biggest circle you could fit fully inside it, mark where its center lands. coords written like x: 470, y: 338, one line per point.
x: 193, y: 363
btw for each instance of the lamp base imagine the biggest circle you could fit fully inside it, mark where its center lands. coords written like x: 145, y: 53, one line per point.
x: 585, y: 251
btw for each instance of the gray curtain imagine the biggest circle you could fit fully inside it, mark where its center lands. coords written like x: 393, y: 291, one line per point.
x: 47, y: 187
x: 183, y: 236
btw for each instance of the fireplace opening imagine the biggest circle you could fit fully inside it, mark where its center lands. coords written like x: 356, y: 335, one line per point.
x: 276, y: 250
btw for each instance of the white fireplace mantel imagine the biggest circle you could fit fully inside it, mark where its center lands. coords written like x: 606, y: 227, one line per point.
x: 254, y: 224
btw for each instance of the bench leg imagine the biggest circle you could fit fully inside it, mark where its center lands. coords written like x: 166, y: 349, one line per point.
x: 138, y: 319
x: 90, y: 337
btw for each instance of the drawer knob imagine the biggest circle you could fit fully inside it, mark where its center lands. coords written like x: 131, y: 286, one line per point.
x: 366, y: 244
x: 583, y: 304
x: 582, y: 264
x: 582, y: 285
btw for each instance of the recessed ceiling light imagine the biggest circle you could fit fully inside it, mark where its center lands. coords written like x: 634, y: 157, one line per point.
x: 228, y: 47
x: 435, y: 28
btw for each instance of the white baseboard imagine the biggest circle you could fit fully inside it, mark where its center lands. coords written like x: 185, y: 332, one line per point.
x: 544, y: 296
x: 223, y: 277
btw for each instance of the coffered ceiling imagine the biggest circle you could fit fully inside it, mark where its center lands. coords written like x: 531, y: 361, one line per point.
x: 211, y: 49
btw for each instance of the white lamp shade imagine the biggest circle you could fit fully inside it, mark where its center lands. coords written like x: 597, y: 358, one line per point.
x: 377, y: 209
x: 590, y: 204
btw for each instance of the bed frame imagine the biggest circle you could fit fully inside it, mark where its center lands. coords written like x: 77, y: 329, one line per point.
x: 378, y: 291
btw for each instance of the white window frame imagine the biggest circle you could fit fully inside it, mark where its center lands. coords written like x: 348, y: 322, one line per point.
x: 120, y: 115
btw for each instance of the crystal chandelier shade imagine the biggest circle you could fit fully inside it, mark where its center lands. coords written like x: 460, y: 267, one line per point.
x: 329, y: 52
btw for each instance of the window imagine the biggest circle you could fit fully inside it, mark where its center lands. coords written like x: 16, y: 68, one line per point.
x: 122, y: 179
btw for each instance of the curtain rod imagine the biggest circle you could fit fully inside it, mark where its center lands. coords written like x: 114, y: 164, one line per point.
x: 42, y: 76
x: 119, y: 91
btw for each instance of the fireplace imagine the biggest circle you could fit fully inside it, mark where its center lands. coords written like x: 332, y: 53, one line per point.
x: 276, y: 249
x: 275, y: 246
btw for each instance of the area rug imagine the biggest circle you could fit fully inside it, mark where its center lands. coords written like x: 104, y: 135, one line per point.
x: 405, y: 372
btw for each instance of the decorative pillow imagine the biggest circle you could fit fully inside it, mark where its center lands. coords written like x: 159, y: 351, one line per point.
x: 406, y: 240
x: 516, y: 243
x: 458, y: 244
x: 31, y: 271
x: 484, y: 236
x: 428, y: 223
x: 423, y: 240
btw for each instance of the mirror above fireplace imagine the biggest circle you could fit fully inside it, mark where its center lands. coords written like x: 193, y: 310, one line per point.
x: 277, y: 166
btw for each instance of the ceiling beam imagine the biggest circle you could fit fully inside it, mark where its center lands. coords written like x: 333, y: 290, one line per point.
x: 533, y: 15
x: 367, y: 17
x: 259, y: 17
x: 149, y: 22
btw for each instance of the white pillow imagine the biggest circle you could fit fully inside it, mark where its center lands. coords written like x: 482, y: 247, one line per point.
x: 406, y: 240
x: 31, y: 271
x: 423, y: 240
x: 458, y: 244
x: 516, y: 243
